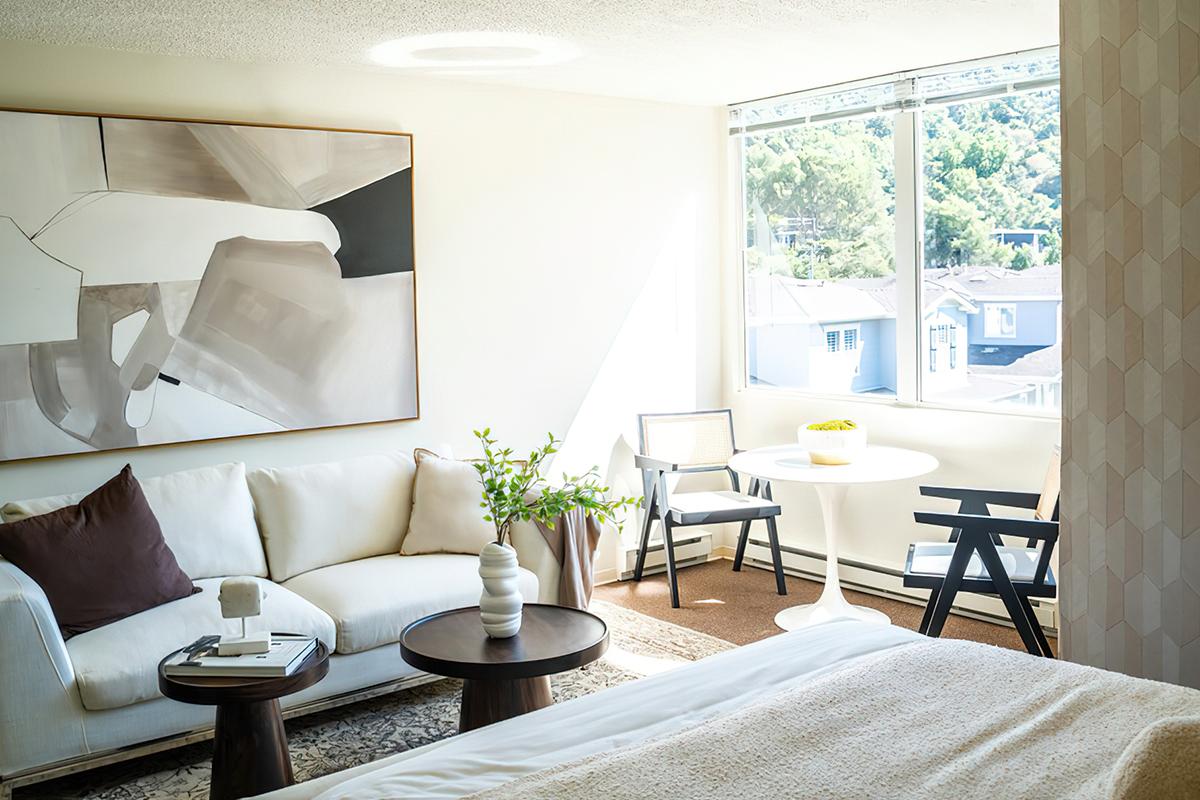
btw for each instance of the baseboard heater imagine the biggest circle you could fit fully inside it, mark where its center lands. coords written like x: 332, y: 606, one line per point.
x: 690, y: 549
x: 886, y: 582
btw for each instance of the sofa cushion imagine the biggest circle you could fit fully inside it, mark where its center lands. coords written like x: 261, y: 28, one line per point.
x: 99, y: 561
x: 446, y: 515
x: 206, y: 516
x: 373, y: 599
x: 117, y: 665
x: 323, y: 514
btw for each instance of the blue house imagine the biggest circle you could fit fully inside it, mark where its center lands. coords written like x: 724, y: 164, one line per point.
x: 989, y: 334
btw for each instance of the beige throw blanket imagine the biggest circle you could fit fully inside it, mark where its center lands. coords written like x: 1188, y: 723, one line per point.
x: 573, y: 541
x: 945, y: 719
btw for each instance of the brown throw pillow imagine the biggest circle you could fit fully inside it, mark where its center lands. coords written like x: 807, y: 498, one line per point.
x: 99, y: 561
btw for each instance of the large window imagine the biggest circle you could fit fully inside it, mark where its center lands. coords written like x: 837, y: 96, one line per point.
x: 992, y: 184
x: 820, y: 243
x: 903, y: 238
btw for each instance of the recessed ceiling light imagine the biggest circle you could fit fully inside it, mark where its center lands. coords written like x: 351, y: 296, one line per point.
x: 472, y: 50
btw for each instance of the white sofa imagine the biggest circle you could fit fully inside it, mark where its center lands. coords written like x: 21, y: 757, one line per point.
x: 322, y: 539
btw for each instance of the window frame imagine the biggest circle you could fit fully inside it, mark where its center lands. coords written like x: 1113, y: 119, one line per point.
x: 908, y: 129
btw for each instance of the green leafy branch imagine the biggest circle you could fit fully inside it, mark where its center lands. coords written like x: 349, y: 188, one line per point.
x: 514, y: 491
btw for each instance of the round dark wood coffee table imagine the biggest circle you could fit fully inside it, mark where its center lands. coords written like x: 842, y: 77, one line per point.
x: 250, y: 752
x: 503, y: 678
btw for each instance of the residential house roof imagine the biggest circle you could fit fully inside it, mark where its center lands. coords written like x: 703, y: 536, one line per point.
x: 995, y: 282
x: 1045, y: 362
x: 783, y: 299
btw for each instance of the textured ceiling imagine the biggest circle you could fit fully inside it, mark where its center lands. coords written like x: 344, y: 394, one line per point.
x: 693, y: 51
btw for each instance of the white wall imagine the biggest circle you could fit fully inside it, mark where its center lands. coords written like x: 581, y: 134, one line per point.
x: 555, y: 234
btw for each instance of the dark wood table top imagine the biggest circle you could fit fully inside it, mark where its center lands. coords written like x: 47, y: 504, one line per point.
x: 214, y: 691
x: 552, y: 639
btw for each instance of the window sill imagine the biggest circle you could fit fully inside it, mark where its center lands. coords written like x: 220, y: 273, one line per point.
x: 1001, y: 410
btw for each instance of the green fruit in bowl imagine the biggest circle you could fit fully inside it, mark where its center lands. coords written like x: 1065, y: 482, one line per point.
x: 833, y: 442
x: 834, y: 425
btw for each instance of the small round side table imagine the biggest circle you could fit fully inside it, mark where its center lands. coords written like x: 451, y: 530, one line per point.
x: 790, y: 463
x: 250, y: 752
x: 503, y: 678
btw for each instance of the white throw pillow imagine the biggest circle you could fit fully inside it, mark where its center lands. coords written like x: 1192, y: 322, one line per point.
x: 446, y: 517
x: 323, y: 514
x: 206, y: 516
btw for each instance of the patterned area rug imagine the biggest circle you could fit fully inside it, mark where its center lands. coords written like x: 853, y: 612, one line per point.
x: 372, y: 729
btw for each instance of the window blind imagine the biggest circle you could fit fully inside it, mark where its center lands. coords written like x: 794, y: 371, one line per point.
x: 1030, y: 70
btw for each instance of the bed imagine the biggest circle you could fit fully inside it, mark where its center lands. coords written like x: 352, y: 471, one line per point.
x: 843, y: 709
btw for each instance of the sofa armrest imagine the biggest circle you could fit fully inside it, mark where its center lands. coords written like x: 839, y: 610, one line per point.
x: 536, y: 556
x: 41, y: 717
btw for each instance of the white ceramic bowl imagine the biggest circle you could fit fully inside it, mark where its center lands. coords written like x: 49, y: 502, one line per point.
x: 832, y: 447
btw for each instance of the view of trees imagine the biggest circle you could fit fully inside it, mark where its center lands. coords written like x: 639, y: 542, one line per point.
x: 821, y: 198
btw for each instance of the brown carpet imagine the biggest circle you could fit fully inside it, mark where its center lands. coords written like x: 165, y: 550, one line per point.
x: 740, y: 607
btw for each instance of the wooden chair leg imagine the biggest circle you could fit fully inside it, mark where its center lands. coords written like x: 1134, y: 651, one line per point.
x: 744, y: 533
x: 743, y: 538
x: 945, y: 598
x: 1012, y: 601
x: 1042, y: 641
x: 644, y: 545
x: 928, y: 616
x: 669, y: 546
x: 1024, y: 627
x: 776, y: 556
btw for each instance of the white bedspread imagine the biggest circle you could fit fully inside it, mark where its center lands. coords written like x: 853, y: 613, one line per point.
x: 634, y: 712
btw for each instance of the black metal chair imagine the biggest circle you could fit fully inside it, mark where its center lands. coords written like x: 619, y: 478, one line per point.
x: 977, y: 560
x: 688, y: 443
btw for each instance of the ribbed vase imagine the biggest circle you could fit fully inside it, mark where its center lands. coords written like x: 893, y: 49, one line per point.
x: 501, y: 601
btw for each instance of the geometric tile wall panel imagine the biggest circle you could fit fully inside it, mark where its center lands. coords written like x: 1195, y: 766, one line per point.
x: 1130, y: 557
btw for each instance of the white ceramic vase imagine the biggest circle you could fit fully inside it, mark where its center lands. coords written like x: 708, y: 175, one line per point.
x: 501, y: 601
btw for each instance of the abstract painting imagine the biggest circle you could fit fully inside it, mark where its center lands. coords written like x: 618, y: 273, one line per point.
x: 172, y: 280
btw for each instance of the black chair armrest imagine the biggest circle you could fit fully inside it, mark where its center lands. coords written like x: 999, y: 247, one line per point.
x: 998, y: 497
x: 1027, y: 528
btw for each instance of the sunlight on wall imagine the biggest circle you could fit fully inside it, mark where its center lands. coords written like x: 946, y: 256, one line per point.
x: 651, y: 366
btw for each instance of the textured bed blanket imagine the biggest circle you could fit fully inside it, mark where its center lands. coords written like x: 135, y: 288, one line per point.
x: 942, y: 720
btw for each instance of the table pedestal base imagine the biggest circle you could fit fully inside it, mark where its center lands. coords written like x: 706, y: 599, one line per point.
x: 488, y: 701
x: 814, y: 613
x: 250, y: 752
x: 832, y: 603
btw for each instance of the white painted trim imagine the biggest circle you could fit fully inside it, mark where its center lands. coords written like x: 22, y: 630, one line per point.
x: 983, y: 408
x: 936, y: 69
x: 736, y: 175
x: 909, y: 248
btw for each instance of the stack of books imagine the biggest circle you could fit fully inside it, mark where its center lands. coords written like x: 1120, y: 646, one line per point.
x: 200, y: 659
